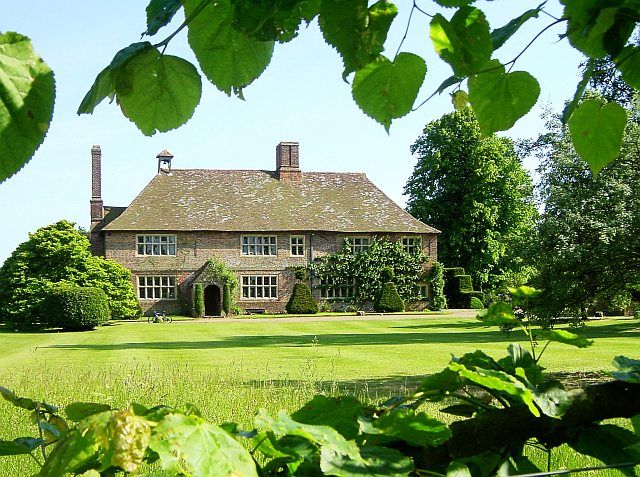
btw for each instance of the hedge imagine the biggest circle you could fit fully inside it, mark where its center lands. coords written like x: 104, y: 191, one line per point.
x: 74, y: 308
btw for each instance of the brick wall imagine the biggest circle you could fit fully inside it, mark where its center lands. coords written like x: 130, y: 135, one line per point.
x: 195, y: 248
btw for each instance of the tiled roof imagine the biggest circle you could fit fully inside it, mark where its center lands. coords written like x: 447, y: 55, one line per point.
x: 250, y: 200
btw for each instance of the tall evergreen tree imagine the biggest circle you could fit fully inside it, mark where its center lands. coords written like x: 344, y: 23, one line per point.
x: 477, y: 193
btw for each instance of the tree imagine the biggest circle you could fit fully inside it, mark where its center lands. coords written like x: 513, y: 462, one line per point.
x: 55, y: 255
x: 589, y: 247
x: 159, y: 92
x: 476, y: 191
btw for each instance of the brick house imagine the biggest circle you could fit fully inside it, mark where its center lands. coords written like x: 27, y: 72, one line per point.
x: 260, y: 223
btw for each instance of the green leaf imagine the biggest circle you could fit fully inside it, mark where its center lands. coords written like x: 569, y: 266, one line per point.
x: 77, y: 411
x: 357, y: 32
x: 517, y: 465
x: 325, y: 436
x: 450, y: 81
x: 159, y: 14
x: 436, y: 386
x: 628, y: 62
x: 628, y: 370
x: 610, y: 444
x: 499, y: 381
x: 577, y: 96
x: 341, y: 413
x: 460, y: 99
x: 499, y: 99
x: 127, y: 441
x: 230, y: 59
x: 521, y: 358
x: 498, y: 314
x: 19, y: 446
x: 27, y: 93
x: 458, y: 469
x: 158, y: 92
x: 418, y: 429
x: 386, y: 90
x: 464, y: 42
x: 596, y: 132
x: 375, y: 461
x: 72, y: 454
x: 500, y: 35
x: 266, y: 20
x: 566, y: 337
x: 635, y: 421
x: 477, y: 359
x: 192, y: 446
x: 105, y: 83
x: 587, y: 25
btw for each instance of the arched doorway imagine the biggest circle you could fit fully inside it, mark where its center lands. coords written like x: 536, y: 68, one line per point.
x: 212, y: 301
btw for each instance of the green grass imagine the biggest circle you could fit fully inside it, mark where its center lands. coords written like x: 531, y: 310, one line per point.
x: 231, y: 369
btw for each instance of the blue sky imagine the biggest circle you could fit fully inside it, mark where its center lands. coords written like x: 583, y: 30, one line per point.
x: 301, y: 97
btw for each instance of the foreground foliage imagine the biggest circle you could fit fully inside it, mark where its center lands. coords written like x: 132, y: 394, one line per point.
x: 503, y: 405
x: 56, y: 255
x: 233, y: 42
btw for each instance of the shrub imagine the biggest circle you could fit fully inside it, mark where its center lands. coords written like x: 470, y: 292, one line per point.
x: 74, y: 308
x: 300, y: 274
x: 227, y: 298
x: 386, y: 274
x: 436, y: 280
x: 475, y: 303
x: 302, y: 301
x: 198, y: 302
x: 390, y: 300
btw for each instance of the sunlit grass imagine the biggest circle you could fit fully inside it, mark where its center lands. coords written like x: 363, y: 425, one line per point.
x: 230, y: 370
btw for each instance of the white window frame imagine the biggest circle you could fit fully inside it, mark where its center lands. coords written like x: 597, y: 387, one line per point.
x: 411, y: 243
x: 157, y: 287
x: 256, y: 242
x: 333, y: 291
x: 156, y: 242
x: 255, y: 287
x: 297, y: 244
x: 357, y: 243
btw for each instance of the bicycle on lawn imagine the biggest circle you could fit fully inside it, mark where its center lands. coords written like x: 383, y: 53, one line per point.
x: 159, y: 317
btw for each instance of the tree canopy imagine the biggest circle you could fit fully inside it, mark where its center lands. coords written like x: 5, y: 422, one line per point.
x: 477, y: 193
x: 233, y: 42
x: 55, y: 255
x: 588, y: 249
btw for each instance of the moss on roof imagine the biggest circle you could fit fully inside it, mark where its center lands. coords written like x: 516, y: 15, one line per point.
x: 250, y: 200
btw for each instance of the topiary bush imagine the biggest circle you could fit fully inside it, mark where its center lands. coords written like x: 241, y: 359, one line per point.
x: 300, y: 274
x: 390, y: 300
x: 198, y: 301
x: 436, y: 280
x: 302, y: 301
x: 476, y: 304
x: 74, y: 308
x: 227, y: 298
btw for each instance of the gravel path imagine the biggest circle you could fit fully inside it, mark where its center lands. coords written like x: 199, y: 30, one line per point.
x: 353, y: 317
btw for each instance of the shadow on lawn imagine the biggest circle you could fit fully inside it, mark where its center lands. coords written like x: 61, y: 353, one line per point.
x: 625, y: 329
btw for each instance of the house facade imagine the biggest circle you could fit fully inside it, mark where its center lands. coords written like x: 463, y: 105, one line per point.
x: 261, y: 224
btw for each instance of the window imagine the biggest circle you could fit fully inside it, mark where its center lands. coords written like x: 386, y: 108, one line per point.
x: 258, y: 245
x: 260, y: 286
x: 411, y: 245
x: 424, y: 290
x: 297, y: 245
x: 358, y: 244
x: 156, y: 244
x: 155, y: 288
x: 329, y: 289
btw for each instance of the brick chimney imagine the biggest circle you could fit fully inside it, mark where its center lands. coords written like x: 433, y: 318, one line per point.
x: 97, y: 210
x: 288, y: 161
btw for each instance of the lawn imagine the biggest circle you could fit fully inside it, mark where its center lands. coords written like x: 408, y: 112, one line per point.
x: 230, y: 369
